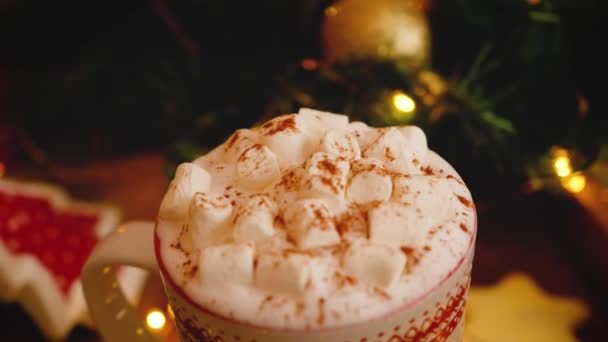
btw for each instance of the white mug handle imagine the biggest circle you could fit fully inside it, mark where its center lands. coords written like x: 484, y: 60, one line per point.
x: 131, y: 244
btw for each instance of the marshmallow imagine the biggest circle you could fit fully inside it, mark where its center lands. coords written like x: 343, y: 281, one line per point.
x: 352, y: 223
x: 257, y: 167
x: 441, y: 164
x: 286, y: 190
x: 363, y: 133
x: 285, y: 135
x: 398, y: 224
x: 189, y: 179
x: 366, y: 164
x: 206, y: 217
x: 358, y: 128
x: 415, y: 138
x: 392, y: 148
x: 239, y: 141
x: 369, y: 182
x: 459, y: 189
x: 341, y: 143
x: 375, y: 264
x: 223, y: 175
x: 325, y: 177
x: 227, y: 264
x: 433, y: 196
x: 328, y: 165
x: 318, y: 122
x: 416, y: 141
x: 207, y: 160
x: 254, y: 220
x: 310, y: 224
x: 283, y: 273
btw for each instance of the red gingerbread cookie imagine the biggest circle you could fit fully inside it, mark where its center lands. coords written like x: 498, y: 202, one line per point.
x: 45, y: 239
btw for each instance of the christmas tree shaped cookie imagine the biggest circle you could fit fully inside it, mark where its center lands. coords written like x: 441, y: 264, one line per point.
x: 45, y: 239
x: 516, y: 309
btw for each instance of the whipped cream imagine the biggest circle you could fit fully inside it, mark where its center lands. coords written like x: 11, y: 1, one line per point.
x: 309, y: 222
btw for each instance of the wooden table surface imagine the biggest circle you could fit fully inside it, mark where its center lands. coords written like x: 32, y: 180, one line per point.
x: 546, y: 236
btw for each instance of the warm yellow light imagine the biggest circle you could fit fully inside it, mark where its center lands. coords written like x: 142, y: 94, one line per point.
x: 562, y: 166
x: 170, y: 311
x: 564, y: 172
x: 2, y: 169
x: 156, y: 319
x: 309, y: 64
x: 575, y: 183
x: 561, y: 162
x: 331, y: 11
x: 403, y: 102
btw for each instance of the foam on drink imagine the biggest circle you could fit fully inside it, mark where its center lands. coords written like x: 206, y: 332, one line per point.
x: 313, y: 222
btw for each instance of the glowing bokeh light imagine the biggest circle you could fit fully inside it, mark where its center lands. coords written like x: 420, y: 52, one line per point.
x: 575, y: 183
x: 562, y: 166
x: 155, y: 319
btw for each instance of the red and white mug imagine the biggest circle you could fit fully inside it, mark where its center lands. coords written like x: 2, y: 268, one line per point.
x: 438, y: 315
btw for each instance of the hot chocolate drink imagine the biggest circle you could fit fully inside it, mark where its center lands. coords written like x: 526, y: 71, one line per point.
x: 310, y: 221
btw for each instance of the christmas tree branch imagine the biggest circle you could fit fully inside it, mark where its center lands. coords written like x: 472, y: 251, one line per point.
x: 163, y: 11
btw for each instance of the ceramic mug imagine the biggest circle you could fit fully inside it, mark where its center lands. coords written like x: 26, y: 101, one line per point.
x: 438, y: 315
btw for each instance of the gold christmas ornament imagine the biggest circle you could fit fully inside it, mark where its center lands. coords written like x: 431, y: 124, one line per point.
x: 429, y: 87
x: 394, y: 30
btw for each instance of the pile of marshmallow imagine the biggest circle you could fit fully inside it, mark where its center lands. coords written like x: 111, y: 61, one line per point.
x: 290, y: 179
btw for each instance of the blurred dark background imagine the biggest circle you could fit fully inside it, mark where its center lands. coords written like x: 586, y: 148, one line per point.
x: 114, y: 74
x: 121, y: 76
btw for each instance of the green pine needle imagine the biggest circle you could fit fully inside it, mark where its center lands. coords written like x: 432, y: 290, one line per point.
x: 544, y: 17
x: 498, y: 122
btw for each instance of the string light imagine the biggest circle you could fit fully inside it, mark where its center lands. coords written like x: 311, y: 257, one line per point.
x: 582, y: 104
x: 404, y: 105
x: 403, y: 102
x: 155, y: 319
x: 309, y: 64
x: 575, y: 182
x: 331, y: 11
x: 562, y: 166
x: 535, y: 184
x: 561, y: 162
